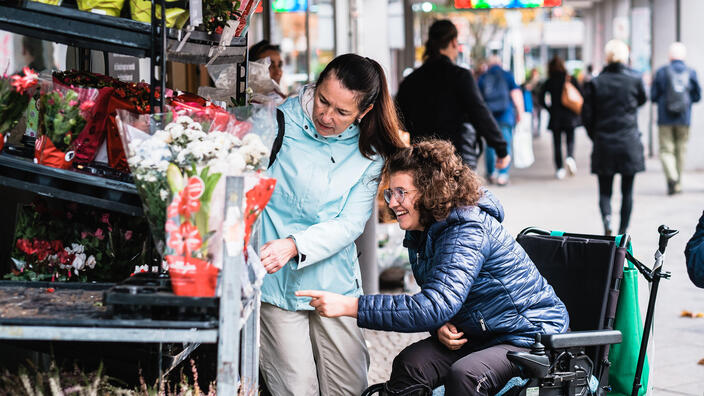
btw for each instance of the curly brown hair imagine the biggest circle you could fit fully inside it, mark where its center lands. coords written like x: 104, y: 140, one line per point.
x: 443, y: 181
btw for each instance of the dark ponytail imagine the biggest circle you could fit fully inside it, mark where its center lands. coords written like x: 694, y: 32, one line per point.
x: 440, y: 35
x: 379, y: 129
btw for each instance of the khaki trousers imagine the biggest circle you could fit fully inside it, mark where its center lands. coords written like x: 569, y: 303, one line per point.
x: 673, y: 149
x: 304, y: 354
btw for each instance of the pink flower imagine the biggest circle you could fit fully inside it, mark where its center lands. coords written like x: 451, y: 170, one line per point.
x: 21, y: 83
x: 72, y: 103
x: 69, y: 215
x: 99, y: 234
x: 87, y: 105
x: 128, y: 235
x: 105, y: 218
x: 84, y: 235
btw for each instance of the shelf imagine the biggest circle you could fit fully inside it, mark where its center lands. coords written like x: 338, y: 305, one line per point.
x: 198, y: 47
x: 23, y: 174
x: 107, y: 334
x: 105, y: 33
x: 78, y: 28
x: 76, y: 305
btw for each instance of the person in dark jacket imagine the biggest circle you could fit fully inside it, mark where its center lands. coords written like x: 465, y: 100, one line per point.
x: 562, y: 120
x: 441, y: 99
x: 694, y: 255
x: 610, y: 115
x: 504, y: 99
x: 480, y: 296
x: 674, y: 89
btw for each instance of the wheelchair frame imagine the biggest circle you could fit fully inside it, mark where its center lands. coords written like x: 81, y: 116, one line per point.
x: 565, y: 369
x: 546, y: 383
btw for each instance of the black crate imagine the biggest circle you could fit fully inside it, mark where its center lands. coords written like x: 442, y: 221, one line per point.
x: 149, y: 296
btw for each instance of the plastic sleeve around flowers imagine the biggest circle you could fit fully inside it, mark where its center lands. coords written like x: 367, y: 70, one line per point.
x: 323, y: 240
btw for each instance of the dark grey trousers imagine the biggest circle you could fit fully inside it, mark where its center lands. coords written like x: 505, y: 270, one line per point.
x: 428, y: 364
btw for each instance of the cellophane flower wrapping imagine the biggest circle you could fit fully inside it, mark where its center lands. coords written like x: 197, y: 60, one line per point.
x: 114, y: 94
x: 92, y: 136
x: 180, y: 161
x: 64, y: 113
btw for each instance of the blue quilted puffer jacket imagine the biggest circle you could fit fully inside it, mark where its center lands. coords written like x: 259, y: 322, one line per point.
x: 474, y: 274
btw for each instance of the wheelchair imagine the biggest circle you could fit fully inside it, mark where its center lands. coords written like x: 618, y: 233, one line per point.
x: 585, y: 272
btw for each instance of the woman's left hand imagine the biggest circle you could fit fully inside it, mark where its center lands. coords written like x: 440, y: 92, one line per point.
x: 330, y: 305
x: 275, y: 254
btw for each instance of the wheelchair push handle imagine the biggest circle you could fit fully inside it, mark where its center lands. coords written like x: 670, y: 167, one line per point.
x: 665, y: 234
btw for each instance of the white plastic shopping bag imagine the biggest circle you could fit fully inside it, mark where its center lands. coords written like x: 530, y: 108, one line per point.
x: 523, y: 143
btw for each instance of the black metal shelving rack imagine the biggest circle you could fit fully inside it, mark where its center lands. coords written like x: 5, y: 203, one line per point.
x: 237, y: 350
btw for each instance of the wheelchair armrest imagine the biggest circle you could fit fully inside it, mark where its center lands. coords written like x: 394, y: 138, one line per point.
x: 536, y: 366
x: 581, y: 339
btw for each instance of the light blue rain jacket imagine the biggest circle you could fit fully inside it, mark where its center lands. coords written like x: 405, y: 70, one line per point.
x: 325, y: 189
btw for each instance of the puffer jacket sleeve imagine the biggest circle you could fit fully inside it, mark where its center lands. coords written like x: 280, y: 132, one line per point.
x: 458, y: 257
x: 694, y: 255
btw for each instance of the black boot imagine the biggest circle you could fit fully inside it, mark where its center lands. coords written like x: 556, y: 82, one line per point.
x: 671, y: 188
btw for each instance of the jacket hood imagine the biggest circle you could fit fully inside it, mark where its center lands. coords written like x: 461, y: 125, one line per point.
x: 678, y: 65
x: 491, y: 205
x: 488, y: 203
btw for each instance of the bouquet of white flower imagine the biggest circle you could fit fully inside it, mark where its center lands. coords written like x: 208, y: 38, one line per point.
x: 178, y: 160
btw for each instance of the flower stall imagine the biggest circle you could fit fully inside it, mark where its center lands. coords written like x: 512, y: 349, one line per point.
x: 135, y: 207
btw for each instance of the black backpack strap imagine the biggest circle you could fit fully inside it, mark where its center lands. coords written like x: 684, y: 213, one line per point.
x: 279, y: 137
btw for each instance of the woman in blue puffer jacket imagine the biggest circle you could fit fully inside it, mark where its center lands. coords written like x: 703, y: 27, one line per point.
x: 481, y: 296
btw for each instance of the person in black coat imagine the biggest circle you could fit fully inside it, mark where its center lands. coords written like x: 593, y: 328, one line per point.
x: 610, y: 114
x: 563, y: 121
x: 441, y: 99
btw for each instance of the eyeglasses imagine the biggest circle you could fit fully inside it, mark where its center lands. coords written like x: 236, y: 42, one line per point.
x: 398, y: 193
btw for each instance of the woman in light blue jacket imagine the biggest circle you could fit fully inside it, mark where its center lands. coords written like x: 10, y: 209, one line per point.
x: 337, y: 135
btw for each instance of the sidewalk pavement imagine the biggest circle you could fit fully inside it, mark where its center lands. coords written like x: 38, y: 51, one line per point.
x: 535, y: 198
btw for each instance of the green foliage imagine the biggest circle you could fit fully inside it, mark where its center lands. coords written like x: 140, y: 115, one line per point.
x: 61, y: 117
x: 154, y: 205
x: 12, y: 105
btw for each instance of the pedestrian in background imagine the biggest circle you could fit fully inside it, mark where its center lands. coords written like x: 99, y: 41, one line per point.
x: 337, y: 134
x: 563, y: 121
x: 610, y: 115
x: 533, y: 85
x: 674, y: 89
x: 441, y: 99
x: 505, y: 100
x: 265, y: 49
